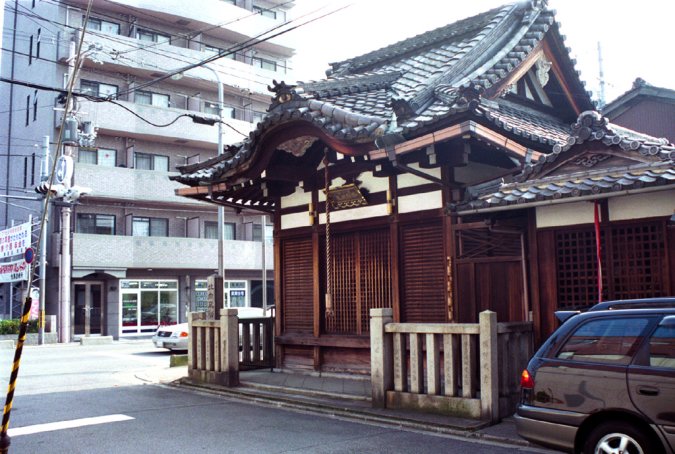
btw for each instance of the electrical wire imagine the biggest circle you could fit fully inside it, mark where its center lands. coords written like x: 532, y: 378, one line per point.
x: 166, y: 53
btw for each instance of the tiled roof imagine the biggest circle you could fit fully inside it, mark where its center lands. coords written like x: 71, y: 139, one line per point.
x: 411, y: 86
x: 534, y: 185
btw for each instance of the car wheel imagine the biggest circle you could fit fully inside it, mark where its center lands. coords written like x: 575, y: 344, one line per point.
x: 618, y: 437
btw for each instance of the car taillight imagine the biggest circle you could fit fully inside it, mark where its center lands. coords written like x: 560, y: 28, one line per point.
x: 526, y: 380
x: 183, y: 334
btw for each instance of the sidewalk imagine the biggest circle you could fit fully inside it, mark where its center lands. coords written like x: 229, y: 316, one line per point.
x: 339, y: 396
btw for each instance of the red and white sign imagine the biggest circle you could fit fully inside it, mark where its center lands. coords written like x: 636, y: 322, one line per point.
x: 14, y: 271
x: 15, y: 240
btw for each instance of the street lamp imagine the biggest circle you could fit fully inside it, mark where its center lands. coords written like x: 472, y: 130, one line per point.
x: 221, y: 208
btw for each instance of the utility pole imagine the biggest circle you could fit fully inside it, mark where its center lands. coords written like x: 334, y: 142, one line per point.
x: 263, y: 222
x: 44, y: 176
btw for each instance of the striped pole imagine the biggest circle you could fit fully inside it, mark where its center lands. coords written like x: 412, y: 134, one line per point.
x: 4, y: 438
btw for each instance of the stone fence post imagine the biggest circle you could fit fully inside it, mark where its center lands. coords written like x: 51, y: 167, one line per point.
x: 192, y: 338
x: 229, y: 348
x: 381, y: 356
x: 488, y: 363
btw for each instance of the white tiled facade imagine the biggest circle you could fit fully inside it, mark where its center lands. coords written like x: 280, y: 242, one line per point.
x: 142, y: 135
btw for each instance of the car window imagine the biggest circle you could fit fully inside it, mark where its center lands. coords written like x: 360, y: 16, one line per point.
x: 607, y: 341
x: 662, y: 347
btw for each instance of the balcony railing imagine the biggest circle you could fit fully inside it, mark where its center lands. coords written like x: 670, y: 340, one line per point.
x: 123, y: 116
x: 119, y: 183
x: 119, y: 252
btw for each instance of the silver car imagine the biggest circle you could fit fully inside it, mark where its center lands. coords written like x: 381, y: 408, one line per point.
x: 173, y: 337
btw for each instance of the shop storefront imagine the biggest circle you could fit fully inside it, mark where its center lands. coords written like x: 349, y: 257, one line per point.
x: 235, y: 294
x: 146, y: 304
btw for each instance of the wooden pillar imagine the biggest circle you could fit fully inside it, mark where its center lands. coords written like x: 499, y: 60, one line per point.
x: 381, y: 356
x: 488, y: 363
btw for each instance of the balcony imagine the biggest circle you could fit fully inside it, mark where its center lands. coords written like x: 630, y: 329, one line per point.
x: 112, y: 119
x: 160, y: 58
x: 105, y: 252
x: 118, y: 183
x: 195, y: 15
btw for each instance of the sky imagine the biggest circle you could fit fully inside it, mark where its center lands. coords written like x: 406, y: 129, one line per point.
x: 636, y: 37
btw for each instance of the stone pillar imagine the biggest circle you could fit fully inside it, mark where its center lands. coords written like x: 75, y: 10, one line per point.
x: 488, y: 363
x: 229, y: 348
x: 192, y: 316
x: 214, y: 296
x: 381, y: 356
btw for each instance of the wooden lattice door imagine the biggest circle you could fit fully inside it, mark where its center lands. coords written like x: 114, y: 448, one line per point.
x: 361, y: 279
x: 297, y: 286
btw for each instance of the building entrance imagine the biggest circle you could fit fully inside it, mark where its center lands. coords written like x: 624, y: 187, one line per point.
x: 88, y: 302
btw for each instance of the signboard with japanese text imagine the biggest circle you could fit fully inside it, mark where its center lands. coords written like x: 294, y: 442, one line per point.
x: 15, y: 240
x: 14, y: 271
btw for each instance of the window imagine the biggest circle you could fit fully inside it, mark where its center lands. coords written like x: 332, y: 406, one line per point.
x: 265, y: 12
x: 151, y: 99
x: 212, y: 108
x: 103, y: 26
x: 146, y: 304
x: 264, y: 63
x: 145, y: 161
x: 35, y: 105
x: 608, y: 340
x: 93, y: 88
x: 98, y: 224
x: 257, y: 117
x: 662, y: 345
x: 229, y: 231
x: 235, y: 294
x: 142, y: 226
x: 37, y: 44
x: 106, y: 157
x: 211, y: 230
x: 219, y: 50
x: 257, y: 232
x: 155, y: 37
x: 30, y: 50
x: 630, y: 254
x: 27, y: 110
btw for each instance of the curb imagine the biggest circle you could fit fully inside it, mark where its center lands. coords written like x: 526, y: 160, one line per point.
x: 307, y: 404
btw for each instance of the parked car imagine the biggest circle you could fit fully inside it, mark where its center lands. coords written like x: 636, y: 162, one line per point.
x: 175, y: 337
x: 604, y: 381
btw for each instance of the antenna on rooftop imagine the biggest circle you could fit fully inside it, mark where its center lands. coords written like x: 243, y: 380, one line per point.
x: 601, y: 101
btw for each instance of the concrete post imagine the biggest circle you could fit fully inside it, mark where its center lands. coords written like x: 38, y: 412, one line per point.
x: 381, y: 356
x: 192, y: 316
x: 229, y: 349
x: 488, y: 363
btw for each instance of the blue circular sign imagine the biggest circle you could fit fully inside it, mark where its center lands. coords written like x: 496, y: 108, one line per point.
x: 29, y: 255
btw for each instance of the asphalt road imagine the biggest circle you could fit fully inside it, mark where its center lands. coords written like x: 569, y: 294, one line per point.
x: 60, y: 388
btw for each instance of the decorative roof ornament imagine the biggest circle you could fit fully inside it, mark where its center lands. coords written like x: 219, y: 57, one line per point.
x: 284, y: 93
x: 543, y: 66
x: 639, y: 83
x: 298, y: 146
x: 459, y: 97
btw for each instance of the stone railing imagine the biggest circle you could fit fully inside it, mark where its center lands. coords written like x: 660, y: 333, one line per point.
x: 469, y: 370
x: 219, y: 349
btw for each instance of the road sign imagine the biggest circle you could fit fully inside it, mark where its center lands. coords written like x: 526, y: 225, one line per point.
x: 29, y: 255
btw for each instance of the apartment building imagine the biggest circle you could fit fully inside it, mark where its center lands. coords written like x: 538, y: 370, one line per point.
x: 140, y: 254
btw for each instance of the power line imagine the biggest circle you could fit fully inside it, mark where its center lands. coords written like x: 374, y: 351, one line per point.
x: 166, y: 53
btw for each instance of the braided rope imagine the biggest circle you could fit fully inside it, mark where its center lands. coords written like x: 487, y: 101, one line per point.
x: 329, y: 263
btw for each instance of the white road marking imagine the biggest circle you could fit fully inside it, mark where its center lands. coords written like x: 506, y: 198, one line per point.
x: 37, y: 428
